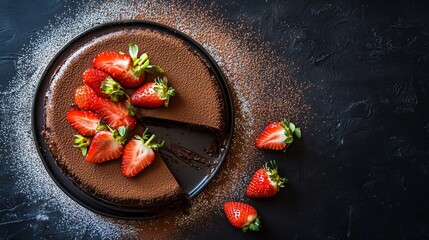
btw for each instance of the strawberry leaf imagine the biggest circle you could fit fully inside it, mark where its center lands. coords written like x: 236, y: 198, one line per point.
x: 297, y: 132
x: 100, y: 127
x: 153, y: 69
x: 254, y: 226
x: 121, y: 130
x: 288, y: 140
x: 143, y: 57
x: 156, y: 146
x: 292, y: 127
x: 133, y: 50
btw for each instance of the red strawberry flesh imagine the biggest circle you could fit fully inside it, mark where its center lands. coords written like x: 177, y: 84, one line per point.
x: 138, y: 154
x: 126, y: 68
x: 104, y: 148
x: 116, y: 114
x: 107, y: 145
x: 136, y: 157
x: 277, y: 135
x: 85, y: 122
x: 94, y: 79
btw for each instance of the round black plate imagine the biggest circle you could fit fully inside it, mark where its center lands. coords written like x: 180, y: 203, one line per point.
x: 192, y: 176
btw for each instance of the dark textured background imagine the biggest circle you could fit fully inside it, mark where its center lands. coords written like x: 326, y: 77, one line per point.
x: 365, y: 174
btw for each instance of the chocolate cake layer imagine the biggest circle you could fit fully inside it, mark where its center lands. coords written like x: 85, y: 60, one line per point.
x: 198, y: 102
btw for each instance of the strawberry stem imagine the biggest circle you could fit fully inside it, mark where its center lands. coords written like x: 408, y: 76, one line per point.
x: 148, y: 141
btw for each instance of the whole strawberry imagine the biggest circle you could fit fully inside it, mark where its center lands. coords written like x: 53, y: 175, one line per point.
x: 127, y: 68
x: 102, y: 84
x: 85, y: 98
x: 265, y: 182
x: 277, y: 135
x: 138, y: 154
x: 153, y: 94
x: 242, y: 215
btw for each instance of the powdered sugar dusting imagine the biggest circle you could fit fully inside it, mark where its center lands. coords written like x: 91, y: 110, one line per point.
x: 257, y: 75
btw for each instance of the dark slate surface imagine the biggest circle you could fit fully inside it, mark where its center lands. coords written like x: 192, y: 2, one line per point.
x: 365, y: 173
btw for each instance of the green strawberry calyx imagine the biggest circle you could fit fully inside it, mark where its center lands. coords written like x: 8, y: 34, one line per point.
x: 113, y: 88
x: 255, y: 225
x: 290, y: 131
x: 274, y: 176
x: 147, y: 141
x: 120, y: 135
x: 164, y: 92
x: 82, y: 143
x: 141, y: 64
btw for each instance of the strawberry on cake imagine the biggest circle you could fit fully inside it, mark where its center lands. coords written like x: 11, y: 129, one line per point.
x: 97, y: 97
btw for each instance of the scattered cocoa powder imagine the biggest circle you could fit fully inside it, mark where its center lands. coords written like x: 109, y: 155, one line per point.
x: 258, y: 76
x: 262, y: 88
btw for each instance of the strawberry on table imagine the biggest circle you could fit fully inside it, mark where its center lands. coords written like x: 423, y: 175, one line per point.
x: 116, y: 114
x: 107, y: 145
x: 127, y: 68
x: 265, y: 182
x: 85, y: 98
x: 138, y: 154
x: 102, y: 84
x: 242, y: 215
x: 153, y: 94
x: 85, y: 122
x: 277, y: 135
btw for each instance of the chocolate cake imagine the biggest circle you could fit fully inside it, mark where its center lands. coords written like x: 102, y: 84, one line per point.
x: 198, y: 102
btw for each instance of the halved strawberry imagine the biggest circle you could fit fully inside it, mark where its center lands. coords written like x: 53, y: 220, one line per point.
x: 127, y: 69
x: 107, y: 145
x: 85, y: 98
x: 86, y: 123
x: 138, y: 154
x: 242, y: 215
x: 102, y: 84
x: 153, y: 94
x: 277, y: 135
x: 116, y: 114
x: 265, y: 182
